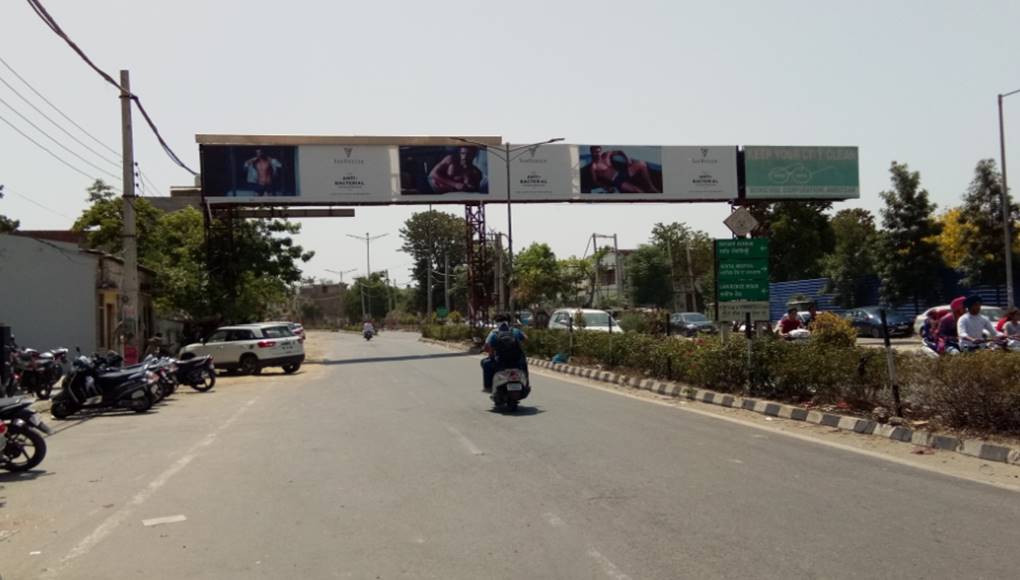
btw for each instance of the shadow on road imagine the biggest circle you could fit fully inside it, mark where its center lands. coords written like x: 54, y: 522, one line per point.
x: 8, y: 476
x: 369, y: 360
x: 520, y: 412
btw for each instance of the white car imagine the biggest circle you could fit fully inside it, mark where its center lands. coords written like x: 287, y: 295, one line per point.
x: 250, y: 348
x: 597, y: 320
x: 992, y: 313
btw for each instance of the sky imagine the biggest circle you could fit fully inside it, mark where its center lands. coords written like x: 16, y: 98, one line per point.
x: 912, y: 81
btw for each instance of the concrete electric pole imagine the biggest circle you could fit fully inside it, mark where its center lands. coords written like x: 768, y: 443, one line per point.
x: 130, y: 307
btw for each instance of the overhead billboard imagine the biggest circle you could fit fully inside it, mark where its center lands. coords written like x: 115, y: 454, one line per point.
x: 448, y: 172
x: 801, y: 173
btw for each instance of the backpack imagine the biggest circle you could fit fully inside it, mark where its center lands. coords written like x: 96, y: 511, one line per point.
x: 507, y: 347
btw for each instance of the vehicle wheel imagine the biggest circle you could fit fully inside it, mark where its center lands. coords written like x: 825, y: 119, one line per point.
x: 291, y: 369
x: 44, y: 392
x: 511, y: 406
x: 24, y: 450
x: 208, y: 381
x: 140, y: 404
x: 62, y: 409
x: 250, y: 365
x: 876, y: 333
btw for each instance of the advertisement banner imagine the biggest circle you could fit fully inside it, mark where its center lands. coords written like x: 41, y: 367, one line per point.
x: 801, y: 173
x: 539, y: 173
x: 347, y: 173
x: 249, y: 171
x: 443, y: 173
x: 700, y: 173
x: 619, y: 171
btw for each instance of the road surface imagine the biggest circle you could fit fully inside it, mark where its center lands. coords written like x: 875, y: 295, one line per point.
x: 384, y: 461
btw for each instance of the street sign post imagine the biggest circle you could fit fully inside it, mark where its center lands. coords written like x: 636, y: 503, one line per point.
x: 741, y: 222
x: 742, y: 279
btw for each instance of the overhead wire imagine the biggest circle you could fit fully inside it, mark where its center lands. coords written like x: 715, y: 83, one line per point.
x: 55, y: 140
x: 40, y: 10
x: 7, y: 190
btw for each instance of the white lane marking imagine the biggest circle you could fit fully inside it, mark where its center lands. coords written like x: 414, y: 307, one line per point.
x: 115, y: 519
x: 471, y: 447
x: 554, y: 520
x: 607, y: 566
x: 779, y: 431
x: 737, y: 461
x: 164, y: 520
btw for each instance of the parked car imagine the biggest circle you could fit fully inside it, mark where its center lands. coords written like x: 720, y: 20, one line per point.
x: 295, y: 327
x: 250, y: 348
x: 868, y: 322
x: 691, y: 323
x: 993, y: 313
x: 597, y: 320
x: 525, y: 317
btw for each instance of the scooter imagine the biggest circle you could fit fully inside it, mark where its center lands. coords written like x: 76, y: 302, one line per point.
x: 87, y: 386
x: 37, y: 372
x: 198, y: 373
x: 22, y: 445
x: 509, y: 387
x: 368, y: 334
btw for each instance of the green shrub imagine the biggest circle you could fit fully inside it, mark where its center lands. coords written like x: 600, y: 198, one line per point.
x: 977, y: 391
x: 829, y: 329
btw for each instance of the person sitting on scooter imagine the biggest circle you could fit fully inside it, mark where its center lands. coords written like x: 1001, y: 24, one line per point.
x: 972, y: 327
x: 1010, y: 324
x: 789, y: 323
x: 368, y: 329
x: 947, y: 329
x: 928, y: 329
x: 497, y: 359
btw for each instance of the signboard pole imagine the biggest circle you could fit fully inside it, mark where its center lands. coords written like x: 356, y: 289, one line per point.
x: 509, y: 228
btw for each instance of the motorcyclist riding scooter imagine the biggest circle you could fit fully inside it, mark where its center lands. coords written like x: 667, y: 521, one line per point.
x: 505, y: 347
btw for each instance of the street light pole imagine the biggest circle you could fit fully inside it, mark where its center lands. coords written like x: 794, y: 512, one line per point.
x: 341, y: 273
x: 1006, y: 217
x: 506, y: 157
x: 368, y: 239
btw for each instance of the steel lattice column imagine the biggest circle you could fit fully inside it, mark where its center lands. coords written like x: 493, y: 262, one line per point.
x: 479, y: 295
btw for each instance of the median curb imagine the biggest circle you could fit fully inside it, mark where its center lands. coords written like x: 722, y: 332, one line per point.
x: 971, y: 447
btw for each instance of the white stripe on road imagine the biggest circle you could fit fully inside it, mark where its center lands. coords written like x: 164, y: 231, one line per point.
x: 554, y: 520
x: 164, y: 520
x: 608, y: 567
x: 471, y: 447
x: 109, y: 524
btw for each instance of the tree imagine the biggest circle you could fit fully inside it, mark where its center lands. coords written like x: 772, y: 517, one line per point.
x: 853, y: 258
x: 909, y: 258
x: 691, y: 257
x: 953, y: 233
x: 102, y: 222
x: 8, y: 225
x: 800, y: 235
x: 537, y: 275
x: 982, y: 260
x: 577, y: 277
x: 427, y: 236
x: 371, y: 291
x: 650, y: 276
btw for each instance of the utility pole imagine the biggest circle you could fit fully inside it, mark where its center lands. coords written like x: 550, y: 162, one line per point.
x: 672, y: 274
x: 446, y: 279
x: 1006, y: 217
x: 368, y: 239
x: 341, y: 273
x: 130, y: 308
x: 619, y: 270
x: 692, y: 293
x: 498, y: 278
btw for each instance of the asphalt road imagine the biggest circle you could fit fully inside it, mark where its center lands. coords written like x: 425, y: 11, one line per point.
x: 384, y: 461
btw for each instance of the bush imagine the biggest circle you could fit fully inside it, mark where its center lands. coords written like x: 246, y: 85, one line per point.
x: 451, y: 332
x: 978, y: 391
x: 829, y: 329
x: 455, y: 317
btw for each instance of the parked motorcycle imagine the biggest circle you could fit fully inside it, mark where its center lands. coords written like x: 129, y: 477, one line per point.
x: 88, y: 385
x: 509, y: 387
x: 198, y: 373
x: 22, y: 445
x: 36, y: 372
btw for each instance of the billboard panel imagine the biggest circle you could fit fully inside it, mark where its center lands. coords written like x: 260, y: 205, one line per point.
x: 540, y: 173
x: 243, y: 171
x: 801, y: 172
x: 700, y: 173
x: 347, y: 173
x: 443, y: 173
x: 620, y: 171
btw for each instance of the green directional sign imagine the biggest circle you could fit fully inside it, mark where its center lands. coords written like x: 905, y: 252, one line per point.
x: 801, y: 173
x: 742, y: 278
x: 442, y: 312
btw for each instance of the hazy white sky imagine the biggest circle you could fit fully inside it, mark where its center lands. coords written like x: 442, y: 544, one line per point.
x: 913, y: 81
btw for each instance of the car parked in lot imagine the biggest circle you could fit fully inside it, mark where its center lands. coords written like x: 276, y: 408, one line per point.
x: 691, y: 324
x: 992, y: 313
x: 868, y: 322
x: 249, y: 348
x: 596, y: 320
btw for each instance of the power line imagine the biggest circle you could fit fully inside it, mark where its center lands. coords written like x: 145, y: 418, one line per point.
x: 36, y: 203
x: 40, y: 10
x: 57, y: 109
x: 58, y: 143
x: 44, y: 148
x: 57, y: 125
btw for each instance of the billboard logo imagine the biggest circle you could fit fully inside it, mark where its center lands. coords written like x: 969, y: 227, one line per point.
x: 348, y: 151
x: 704, y: 152
x: 532, y: 151
x: 704, y: 156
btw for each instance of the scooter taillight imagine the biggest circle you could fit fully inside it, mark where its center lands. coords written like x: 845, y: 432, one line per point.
x: 3, y: 427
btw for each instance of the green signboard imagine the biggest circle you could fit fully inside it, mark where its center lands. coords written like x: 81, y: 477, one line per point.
x: 742, y: 277
x: 801, y: 173
x: 442, y: 312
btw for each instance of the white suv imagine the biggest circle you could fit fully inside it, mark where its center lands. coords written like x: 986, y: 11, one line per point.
x: 251, y: 347
x: 597, y: 320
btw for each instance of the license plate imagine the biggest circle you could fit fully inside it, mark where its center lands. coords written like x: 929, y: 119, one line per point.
x: 514, y: 387
x: 287, y: 346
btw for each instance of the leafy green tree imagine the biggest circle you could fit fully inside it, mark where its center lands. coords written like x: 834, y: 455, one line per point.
x: 853, y: 258
x: 982, y: 260
x: 649, y: 273
x: 371, y: 291
x: 537, y: 275
x: 102, y: 222
x: 909, y: 258
x: 800, y: 235
x: 691, y: 257
x: 577, y: 276
x: 427, y: 237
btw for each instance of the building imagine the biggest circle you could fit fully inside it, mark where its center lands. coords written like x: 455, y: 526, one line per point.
x: 611, y: 282
x: 322, y: 305
x: 54, y: 294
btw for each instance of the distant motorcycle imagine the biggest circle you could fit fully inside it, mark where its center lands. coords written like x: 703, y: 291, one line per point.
x: 22, y: 445
x: 368, y: 334
x: 36, y: 372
